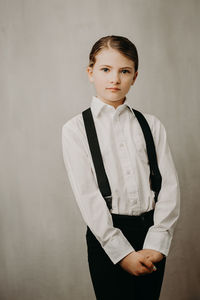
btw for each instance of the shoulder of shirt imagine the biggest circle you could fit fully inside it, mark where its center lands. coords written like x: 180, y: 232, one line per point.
x: 74, y: 124
x: 151, y: 119
x: 154, y: 122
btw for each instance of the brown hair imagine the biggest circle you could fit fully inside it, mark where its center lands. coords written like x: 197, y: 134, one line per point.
x: 120, y: 43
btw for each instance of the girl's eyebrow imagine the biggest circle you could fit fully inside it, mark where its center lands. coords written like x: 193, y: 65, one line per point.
x: 120, y: 68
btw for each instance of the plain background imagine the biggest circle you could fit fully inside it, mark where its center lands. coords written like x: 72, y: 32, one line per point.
x: 44, y: 48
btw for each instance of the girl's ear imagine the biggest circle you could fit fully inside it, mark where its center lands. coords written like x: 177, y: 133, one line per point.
x: 134, y: 78
x: 90, y: 73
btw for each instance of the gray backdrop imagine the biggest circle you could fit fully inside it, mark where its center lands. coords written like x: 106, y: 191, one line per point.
x: 44, y: 47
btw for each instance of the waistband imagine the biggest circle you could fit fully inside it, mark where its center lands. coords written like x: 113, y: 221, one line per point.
x: 145, y: 218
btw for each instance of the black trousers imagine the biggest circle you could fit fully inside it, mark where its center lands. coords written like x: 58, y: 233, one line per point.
x: 109, y: 280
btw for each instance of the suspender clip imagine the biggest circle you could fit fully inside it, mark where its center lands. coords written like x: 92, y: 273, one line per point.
x: 108, y: 200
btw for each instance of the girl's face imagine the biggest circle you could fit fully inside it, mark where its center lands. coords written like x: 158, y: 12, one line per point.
x: 112, y: 70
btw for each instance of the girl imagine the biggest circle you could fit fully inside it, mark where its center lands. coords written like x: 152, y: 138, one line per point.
x: 123, y: 179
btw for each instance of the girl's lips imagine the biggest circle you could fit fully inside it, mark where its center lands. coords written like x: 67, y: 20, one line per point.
x: 114, y: 89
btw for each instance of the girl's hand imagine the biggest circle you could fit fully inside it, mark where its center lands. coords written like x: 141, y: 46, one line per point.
x: 153, y: 255
x: 137, y: 264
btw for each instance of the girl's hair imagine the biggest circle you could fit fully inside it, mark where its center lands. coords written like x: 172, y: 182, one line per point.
x: 120, y: 43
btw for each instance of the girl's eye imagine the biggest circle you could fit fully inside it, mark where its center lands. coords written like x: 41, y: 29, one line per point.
x: 104, y: 69
x: 125, y: 71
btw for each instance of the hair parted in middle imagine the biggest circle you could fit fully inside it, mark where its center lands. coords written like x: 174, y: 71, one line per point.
x: 120, y: 43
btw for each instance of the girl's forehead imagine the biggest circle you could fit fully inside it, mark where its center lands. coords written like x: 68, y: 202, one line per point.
x: 108, y: 56
x: 108, y: 52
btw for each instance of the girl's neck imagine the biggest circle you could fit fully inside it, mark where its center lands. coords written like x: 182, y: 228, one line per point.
x: 115, y: 104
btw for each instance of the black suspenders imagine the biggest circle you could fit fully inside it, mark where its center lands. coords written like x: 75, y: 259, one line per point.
x: 102, y: 179
x: 155, y: 176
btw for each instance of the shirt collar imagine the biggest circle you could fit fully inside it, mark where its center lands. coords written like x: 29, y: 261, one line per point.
x: 98, y: 105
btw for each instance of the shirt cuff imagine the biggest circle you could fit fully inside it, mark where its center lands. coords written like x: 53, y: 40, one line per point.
x: 117, y: 248
x: 158, y: 240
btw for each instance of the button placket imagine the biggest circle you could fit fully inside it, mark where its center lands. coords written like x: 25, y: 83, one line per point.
x: 121, y: 142
x: 124, y: 150
x: 124, y: 156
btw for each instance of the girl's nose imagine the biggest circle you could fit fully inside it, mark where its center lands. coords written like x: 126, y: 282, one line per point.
x: 115, y: 78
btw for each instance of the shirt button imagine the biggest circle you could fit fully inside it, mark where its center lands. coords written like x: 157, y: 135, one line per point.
x: 128, y: 172
x: 121, y: 145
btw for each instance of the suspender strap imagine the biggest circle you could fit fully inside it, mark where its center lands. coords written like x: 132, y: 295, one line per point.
x: 155, y: 176
x: 102, y: 178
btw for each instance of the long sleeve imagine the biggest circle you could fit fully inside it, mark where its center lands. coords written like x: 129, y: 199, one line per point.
x: 167, y: 208
x: 88, y: 196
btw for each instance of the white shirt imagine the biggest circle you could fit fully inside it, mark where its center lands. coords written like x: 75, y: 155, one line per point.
x: 125, y: 160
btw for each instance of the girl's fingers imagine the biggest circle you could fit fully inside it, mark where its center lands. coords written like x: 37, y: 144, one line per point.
x: 148, y: 264
x: 144, y: 270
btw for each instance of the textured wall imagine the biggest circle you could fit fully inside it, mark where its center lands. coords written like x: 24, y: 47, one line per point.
x: 44, y: 47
